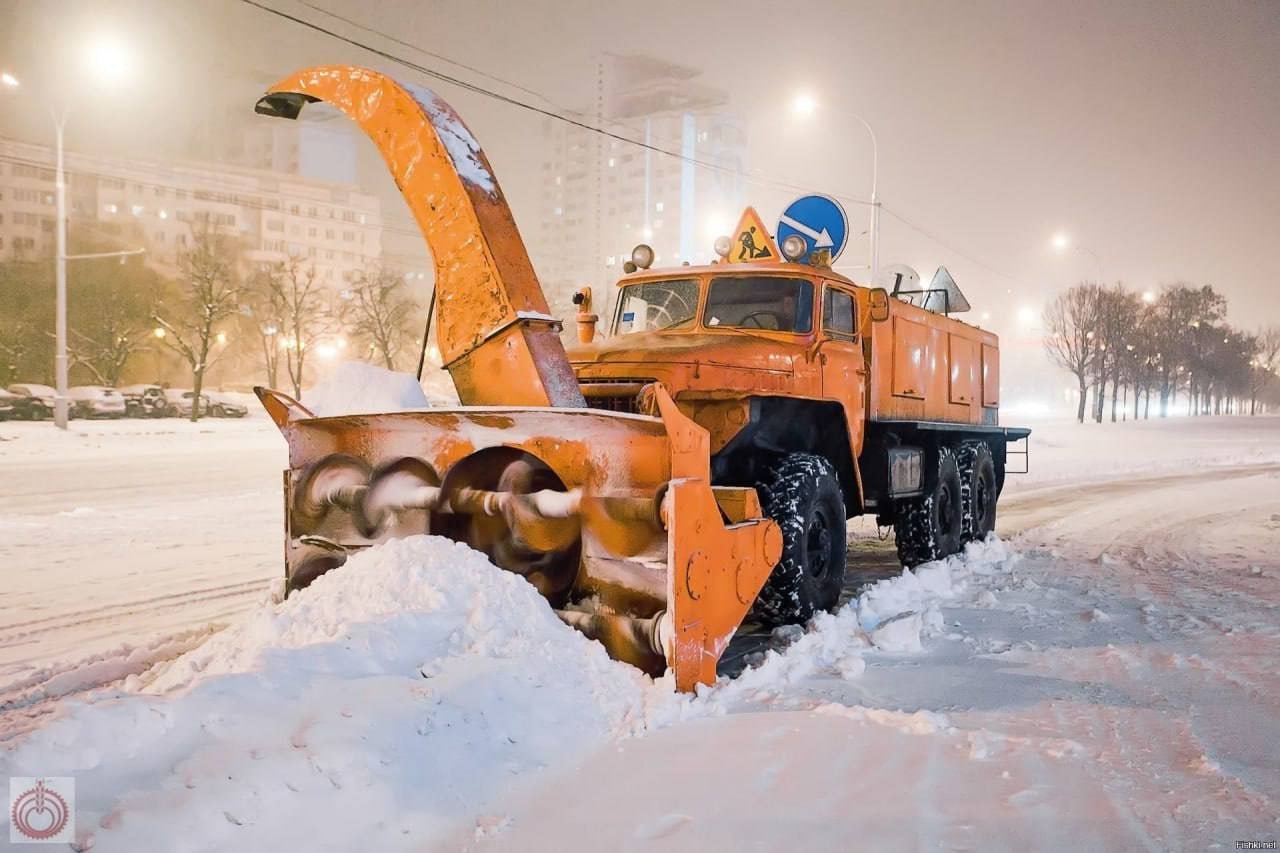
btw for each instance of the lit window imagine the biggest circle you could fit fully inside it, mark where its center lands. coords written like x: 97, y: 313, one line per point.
x: 164, y: 214
x: 136, y: 209
x: 559, y: 211
x: 612, y: 162
x: 111, y: 208
x: 658, y: 207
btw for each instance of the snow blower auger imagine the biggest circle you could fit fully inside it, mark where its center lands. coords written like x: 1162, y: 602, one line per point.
x: 610, y: 515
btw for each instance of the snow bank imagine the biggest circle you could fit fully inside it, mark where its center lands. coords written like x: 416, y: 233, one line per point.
x: 1064, y: 451
x: 377, y: 708
x: 399, y: 698
x: 356, y: 388
x: 892, y: 615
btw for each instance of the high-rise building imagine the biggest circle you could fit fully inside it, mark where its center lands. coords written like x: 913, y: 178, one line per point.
x: 602, y: 196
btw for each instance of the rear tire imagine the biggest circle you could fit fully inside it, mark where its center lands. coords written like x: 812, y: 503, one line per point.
x: 801, y: 492
x: 929, y: 527
x: 978, y: 491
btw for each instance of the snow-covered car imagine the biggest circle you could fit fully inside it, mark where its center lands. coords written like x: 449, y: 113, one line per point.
x: 34, y: 403
x: 145, y: 401
x: 225, y: 406
x: 8, y: 404
x: 180, y: 402
x: 97, y: 401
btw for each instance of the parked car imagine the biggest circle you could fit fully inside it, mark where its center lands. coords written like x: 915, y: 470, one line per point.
x: 8, y: 405
x: 34, y: 403
x: 97, y: 401
x: 145, y: 401
x: 225, y: 406
x: 180, y: 402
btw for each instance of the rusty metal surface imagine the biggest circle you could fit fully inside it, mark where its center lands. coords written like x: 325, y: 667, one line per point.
x: 491, y: 313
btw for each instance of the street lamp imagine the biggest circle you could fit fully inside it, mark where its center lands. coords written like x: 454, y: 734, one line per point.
x: 107, y: 60
x: 1062, y: 242
x: 805, y: 105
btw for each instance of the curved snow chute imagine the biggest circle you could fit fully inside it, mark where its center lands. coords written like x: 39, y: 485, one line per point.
x: 610, y: 516
x: 492, y: 316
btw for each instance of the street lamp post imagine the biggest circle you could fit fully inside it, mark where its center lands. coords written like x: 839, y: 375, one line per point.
x: 805, y: 105
x: 108, y: 60
x: 60, y: 275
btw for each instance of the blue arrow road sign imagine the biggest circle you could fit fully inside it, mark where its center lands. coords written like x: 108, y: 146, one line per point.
x: 819, y: 220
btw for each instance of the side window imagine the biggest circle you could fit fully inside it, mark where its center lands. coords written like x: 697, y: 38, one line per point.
x: 837, y: 313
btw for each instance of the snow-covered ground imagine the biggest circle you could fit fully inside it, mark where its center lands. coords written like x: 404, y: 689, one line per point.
x: 1104, y: 676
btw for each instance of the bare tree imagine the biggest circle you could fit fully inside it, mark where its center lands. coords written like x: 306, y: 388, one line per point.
x: 381, y: 310
x: 1265, y: 365
x: 296, y: 310
x: 209, y: 293
x: 1072, y: 342
x: 110, y: 321
x: 1118, y: 312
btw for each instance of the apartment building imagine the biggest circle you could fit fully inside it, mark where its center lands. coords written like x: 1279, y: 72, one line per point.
x: 154, y: 205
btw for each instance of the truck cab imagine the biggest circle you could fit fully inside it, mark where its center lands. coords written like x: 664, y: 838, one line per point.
x: 773, y: 350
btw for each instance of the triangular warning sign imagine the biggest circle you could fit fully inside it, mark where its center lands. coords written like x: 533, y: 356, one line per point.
x: 751, y: 241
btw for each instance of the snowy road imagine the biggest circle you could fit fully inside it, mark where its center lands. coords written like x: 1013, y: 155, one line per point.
x: 1118, y: 689
x: 1115, y: 683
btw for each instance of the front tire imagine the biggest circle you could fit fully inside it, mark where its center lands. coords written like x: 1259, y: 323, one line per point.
x: 801, y: 492
x: 930, y: 527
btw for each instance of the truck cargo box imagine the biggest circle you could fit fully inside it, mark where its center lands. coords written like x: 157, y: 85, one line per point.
x: 932, y: 368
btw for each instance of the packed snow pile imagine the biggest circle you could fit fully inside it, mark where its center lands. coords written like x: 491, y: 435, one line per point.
x: 377, y: 708
x: 895, y: 615
x: 356, y: 388
x: 398, y: 698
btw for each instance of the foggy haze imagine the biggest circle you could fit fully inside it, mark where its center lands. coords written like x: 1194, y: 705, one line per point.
x: 1145, y: 131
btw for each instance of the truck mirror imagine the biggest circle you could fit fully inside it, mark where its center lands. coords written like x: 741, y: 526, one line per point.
x: 879, y: 303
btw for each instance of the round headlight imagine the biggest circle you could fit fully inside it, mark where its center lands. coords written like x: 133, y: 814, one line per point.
x: 642, y: 256
x: 793, y: 247
x: 723, y: 245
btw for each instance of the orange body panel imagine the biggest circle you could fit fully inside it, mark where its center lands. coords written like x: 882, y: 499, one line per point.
x: 939, y: 369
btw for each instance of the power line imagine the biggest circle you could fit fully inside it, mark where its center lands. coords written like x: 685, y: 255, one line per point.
x: 970, y: 258
x: 515, y: 102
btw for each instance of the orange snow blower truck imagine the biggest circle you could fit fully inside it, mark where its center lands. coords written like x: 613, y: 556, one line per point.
x: 696, y: 465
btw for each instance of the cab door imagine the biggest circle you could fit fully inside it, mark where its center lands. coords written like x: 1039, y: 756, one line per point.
x: 844, y: 370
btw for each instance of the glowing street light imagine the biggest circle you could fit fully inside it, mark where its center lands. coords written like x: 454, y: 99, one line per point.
x: 8, y: 80
x: 159, y: 332
x: 108, y: 60
x: 1148, y: 296
x: 1062, y: 241
x: 804, y: 105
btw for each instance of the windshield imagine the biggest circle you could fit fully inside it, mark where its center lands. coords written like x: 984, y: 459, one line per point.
x: 656, y: 305
x: 760, y: 302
